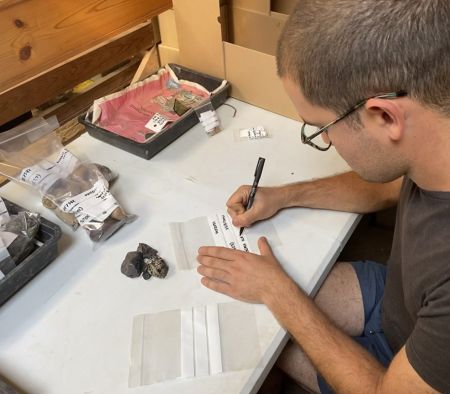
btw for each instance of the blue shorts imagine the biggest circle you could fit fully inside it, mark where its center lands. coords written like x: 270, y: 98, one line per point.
x: 371, y: 277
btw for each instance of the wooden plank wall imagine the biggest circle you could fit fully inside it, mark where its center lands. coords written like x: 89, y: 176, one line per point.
x: 66, y: 75
x: 40, y: 34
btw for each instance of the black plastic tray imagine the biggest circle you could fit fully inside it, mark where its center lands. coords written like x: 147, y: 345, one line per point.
x: 159, y: 141
x: 43, y: 255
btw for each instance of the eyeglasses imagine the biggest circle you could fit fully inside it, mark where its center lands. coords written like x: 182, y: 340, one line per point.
x: 309, y: 132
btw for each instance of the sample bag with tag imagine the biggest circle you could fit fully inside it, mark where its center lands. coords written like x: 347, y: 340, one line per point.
x: 32, y: 155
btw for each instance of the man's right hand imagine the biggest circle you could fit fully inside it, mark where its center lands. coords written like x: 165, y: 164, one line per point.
x: 267, y: 202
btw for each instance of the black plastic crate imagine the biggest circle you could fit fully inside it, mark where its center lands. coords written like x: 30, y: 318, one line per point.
x: 159, y: 141
x: 45, y: 252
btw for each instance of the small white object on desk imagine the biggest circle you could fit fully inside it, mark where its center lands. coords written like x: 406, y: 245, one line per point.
x: 210, y: 121
x: 253, y: 133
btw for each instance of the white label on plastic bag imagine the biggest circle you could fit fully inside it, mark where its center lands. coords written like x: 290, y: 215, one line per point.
x: 209, y: 120
x: 97, y: 203
x: 216, y: 231
x: 157, y: 122
x: 253, y: 133
x: 225, y: 234
x: 46, y: 172
x: 207, y: 115
x: 4, y: 215
x: 66, y: 160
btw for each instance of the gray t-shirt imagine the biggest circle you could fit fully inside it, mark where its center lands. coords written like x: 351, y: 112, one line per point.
x: 416, y: 302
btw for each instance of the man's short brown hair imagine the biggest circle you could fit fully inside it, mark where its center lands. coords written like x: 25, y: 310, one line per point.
x: 342, y: 51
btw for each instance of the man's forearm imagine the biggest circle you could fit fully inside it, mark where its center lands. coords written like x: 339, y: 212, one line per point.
x: 345, y: 192
x: 346, y: 366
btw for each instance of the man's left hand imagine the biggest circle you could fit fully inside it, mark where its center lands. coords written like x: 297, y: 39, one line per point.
x: 245, y: 276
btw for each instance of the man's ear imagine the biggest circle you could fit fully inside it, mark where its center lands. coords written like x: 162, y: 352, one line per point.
x: 388, y: 115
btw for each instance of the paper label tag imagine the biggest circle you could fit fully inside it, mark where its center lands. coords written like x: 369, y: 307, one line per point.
x: 225, y: 234
x: 253, y: 133
x: 95, y: 204
x: 46, y: 172
x: 216, y: 231
x: 157, y: 122
x: 207, y: 115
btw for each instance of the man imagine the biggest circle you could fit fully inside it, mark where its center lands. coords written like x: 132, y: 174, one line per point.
x: 372, y: 78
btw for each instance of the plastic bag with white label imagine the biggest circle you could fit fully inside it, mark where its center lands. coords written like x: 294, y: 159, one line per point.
x: 77, y: 191
x: 208, y: 118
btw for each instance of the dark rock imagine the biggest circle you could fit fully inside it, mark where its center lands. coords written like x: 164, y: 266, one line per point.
x: 147, y: 251
x: 132, y: 265
x: 21, y: 248
x: 146, y: 275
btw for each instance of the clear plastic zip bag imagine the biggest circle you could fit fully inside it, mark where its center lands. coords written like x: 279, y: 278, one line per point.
x: 78, y: 192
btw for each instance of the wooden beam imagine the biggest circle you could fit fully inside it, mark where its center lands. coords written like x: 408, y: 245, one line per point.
x: 68, y: 74
x: 80, y: 103
x: 149, y: 65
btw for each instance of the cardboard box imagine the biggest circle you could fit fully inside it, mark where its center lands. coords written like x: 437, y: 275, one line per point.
x: 235, y: 40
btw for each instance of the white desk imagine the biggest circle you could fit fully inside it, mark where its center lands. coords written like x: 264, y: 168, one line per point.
x: 69, y: 330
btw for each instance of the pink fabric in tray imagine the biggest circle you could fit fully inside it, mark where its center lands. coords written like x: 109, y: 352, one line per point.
x: 128, y: 112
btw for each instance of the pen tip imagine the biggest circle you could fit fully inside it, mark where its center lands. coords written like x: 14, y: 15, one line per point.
x: 241, y: 231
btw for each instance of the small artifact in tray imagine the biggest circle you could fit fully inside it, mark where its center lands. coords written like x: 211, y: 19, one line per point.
x: 147, y: 107
x: 174, y: 110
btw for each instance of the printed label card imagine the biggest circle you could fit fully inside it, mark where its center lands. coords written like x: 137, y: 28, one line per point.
x: 216, y: 230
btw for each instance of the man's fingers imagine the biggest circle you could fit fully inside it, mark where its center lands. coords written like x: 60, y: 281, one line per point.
x: 219, y: 252
x: 214, y: 273
x: 264, y: 247
x: 235, y: 209
x: 240, y: 195
x: 220, y: 287
x: 211, y: 261
x: 233, y: 213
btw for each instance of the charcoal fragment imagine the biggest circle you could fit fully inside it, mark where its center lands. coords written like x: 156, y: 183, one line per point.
x: 132, y: 265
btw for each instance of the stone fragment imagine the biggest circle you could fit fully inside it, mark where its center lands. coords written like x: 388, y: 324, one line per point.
x: 146, y: 275
x: 156, y: 266
x: 133, y: 264
x: 147, y: 251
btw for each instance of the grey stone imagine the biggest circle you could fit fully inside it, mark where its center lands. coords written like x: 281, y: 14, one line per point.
x: 133, y: 265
